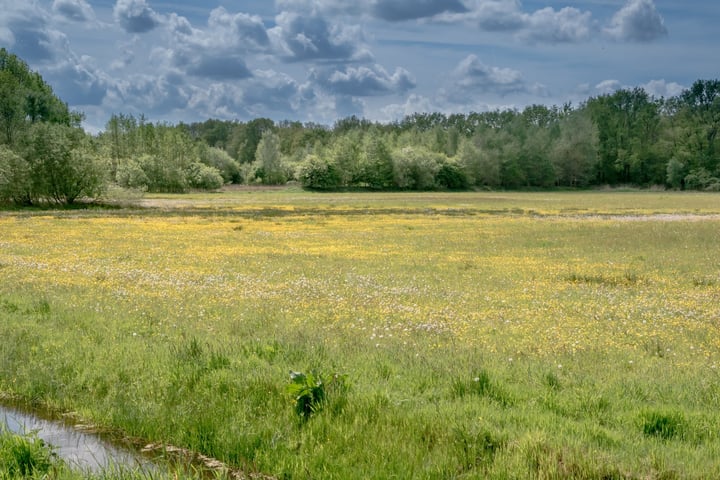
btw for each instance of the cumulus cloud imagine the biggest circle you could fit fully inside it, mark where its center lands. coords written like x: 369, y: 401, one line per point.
x: 388, y: 10
x: 547, y: 25
x: 414, y: 103
x: 267, y: 93
x: 238, y: 30
x: 311, y: 37
x: 637, y: 21
x: 218, y: 51
x: 364, y: 81
x: 75, y: 10
x: 567, y: 25
x: 471, y: 74
x: 30, y: 34
x: 661, y: 88
x: 78, y: 81
x: 135, y: 16
x: 608, y: 86
x: 399, y: 10
x: 149, y: 94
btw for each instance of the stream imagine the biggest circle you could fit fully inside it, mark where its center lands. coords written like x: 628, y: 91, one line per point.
x: 80, y: 450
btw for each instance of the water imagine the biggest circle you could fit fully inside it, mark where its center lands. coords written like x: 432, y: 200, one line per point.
x: 80, y: 450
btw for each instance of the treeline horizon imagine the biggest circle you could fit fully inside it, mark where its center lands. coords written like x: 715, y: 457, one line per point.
x: 627, y: 137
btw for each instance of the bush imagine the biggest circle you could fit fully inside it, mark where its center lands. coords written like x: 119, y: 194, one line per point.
x: 415, y: 168
x: 451, y: 176
x: 15, y: 184
x: 319, y: 173
x: 701, y: 179
x: 228, y: 167
x: 204, y: 177
x: 131, y: 175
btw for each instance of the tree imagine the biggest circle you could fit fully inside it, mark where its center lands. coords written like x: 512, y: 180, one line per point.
x: 319, y: 173
x: 224, y: 163
x: 415, y: 168
x: 376, y: 165
x: 15, y: 178
x: 699, y: 112
x: 627, y: 123
x: 574, y: 153
x: 269, y: 159
x: 63, y: 165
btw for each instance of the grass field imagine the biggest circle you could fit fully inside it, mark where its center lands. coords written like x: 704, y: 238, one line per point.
x: 468, y: 335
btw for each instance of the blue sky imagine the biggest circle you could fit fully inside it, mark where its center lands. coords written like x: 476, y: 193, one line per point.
x: 320, y: 60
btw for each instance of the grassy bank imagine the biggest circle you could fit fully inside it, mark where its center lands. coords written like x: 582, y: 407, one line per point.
x: 473, y: 335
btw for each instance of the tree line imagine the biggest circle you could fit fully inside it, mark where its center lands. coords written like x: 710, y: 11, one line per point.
x: 625, y: 138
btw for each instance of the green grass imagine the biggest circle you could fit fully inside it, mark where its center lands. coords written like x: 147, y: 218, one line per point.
x: 478, y: 335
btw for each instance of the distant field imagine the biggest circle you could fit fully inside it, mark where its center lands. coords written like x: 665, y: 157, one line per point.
x: 480, y: 335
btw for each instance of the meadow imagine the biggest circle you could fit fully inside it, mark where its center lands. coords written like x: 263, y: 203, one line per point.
x: 441, y: 335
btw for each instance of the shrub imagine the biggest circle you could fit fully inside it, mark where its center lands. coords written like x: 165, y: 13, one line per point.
x: 204, y: 177
x: 310, y: 392
x: 415, y: 168
x: 224, y: 163
x: 319, y: 173
x: 451, y: 176
x: 131, y: 175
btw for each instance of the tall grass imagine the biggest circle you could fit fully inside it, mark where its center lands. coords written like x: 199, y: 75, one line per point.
x: 473, y: 344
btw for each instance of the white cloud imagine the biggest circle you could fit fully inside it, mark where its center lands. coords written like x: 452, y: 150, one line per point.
x: 473, y: 75
x: 414, y: 103
x: 608, y: 86
x: 149, y: 94
x: 568, y: 25
x: 75, y: 10
x: 388, y: 10
x: 661, y: 88
x: 238, y: 30
x: 135, y: 16
x: 217, y: 52
x: 400, y: 10
x: 79, y: 81
x: 637, y: 21
x: 301, y: 37
x: 364, y: 81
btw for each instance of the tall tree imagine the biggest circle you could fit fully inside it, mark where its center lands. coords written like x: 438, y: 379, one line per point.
x: 269, y: 159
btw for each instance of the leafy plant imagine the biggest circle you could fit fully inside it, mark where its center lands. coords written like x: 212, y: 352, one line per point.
x: 310, y: 391
x: 24, y: 456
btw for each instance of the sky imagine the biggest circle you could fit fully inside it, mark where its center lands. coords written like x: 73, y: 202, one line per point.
x: 322, y: 60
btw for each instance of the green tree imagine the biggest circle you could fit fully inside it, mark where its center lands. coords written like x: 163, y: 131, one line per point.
x: 699, y: 118
x: 319, y: 173
x: 415, y: 168
x: 574, y: 153
x: 269, y: 160
x: 64, y: 166
x: 376, y: 165
x: 15, y: 178
x: 224, y: 163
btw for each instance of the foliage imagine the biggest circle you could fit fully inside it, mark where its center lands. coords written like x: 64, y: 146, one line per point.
x: 318, y: 173
x: 228, y: 168
x: 415, y: 168
x: 269, y: 160
x: 204, y: 177
x: 23, y: 456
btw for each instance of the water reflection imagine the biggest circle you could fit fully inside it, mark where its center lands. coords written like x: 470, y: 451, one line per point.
x: 80, y: 450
